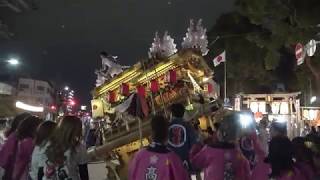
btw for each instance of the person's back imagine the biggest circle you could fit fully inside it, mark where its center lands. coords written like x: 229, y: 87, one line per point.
x: 18, y: 150
x: 7, y: 153
x: 157, y: 161
x: 221, y: 161
x: 181, y: 135
x: 38, y: 155
x: 65, y: 156
x: 279, y: 162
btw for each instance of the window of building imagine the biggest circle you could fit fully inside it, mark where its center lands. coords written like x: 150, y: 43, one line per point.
x: 23, y: 86
x: 40, y: 88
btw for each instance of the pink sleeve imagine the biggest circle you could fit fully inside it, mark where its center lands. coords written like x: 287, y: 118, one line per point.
x: 132, y: 167
x: 7, y: 150
x: 196, y: 148
x: 245, y: 167
x: 258, y: 147
x: 260, y: 171
x: 178, y: 172
x: 24, y: 153
x: 199, y: 160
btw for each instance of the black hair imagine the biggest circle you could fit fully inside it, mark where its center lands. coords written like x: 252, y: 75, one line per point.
x: 313, y: 129
x: 196, y: 125
x: 216, y: 125
x: 210, y: 131
x: 16, y: 122
x: 103, y: 53
x: 177, y: 110
x: 28, y: 127
x: 159, y: 126
x: 280, y: 156
x: 279, y: 127
x: 44, y: 131
x: 300, y: 151
x: 229, y: 127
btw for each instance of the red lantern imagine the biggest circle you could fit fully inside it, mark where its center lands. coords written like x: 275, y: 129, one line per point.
x: 154, y: 87
x: 141, y: 91
x: 173, y: 76
x: 210, y: 88
x: 112, y: 96
x: 125, y: 89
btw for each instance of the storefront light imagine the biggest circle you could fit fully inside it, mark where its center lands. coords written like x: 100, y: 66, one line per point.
x: 313, y: 114
x: 284, y: 108
x: 262, y: 107
x: 254, y: 106
x: 275, y: 107
x: 28, y: 107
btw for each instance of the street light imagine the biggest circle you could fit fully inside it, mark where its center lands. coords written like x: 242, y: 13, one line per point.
x: 13, y: 62
x: 313, y: 99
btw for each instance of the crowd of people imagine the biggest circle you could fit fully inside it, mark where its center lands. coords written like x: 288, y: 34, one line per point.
x: 229, y: 152
x: 43, y: 150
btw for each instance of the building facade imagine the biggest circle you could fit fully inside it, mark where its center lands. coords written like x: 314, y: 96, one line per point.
x: 7, y: 100
x: 35, y: 92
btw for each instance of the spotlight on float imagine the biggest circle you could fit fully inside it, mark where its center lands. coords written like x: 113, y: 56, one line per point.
x: 313, y: 99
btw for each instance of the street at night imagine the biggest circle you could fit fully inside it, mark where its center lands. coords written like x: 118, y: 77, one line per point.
x: 159, y: 90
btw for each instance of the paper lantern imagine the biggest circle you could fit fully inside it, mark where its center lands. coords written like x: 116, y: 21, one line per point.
x: 171, y: 76
x: 111, y: 97
x: 154, y: 87
x: 141, y: 91
x: 125, y: 89
x: 208, y: 87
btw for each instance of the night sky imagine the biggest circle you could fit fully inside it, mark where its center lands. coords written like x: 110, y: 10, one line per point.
x: 61, y: 40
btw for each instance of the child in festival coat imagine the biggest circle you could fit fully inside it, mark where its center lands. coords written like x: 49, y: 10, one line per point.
x: 222, y: 160
x: 156, y: 161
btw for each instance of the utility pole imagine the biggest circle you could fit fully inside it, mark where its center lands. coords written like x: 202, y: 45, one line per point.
x: 310, y: 91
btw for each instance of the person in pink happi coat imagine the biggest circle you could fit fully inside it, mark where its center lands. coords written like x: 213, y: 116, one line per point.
x: 279, y: 163
x: 157, y: 162
x: 15, y: 154
x: 222, y: 160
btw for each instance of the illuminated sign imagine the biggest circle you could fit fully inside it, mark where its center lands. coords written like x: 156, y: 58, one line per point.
x: 28, y: 107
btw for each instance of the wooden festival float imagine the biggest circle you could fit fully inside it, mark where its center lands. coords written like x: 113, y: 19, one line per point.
x: 127, y: 99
